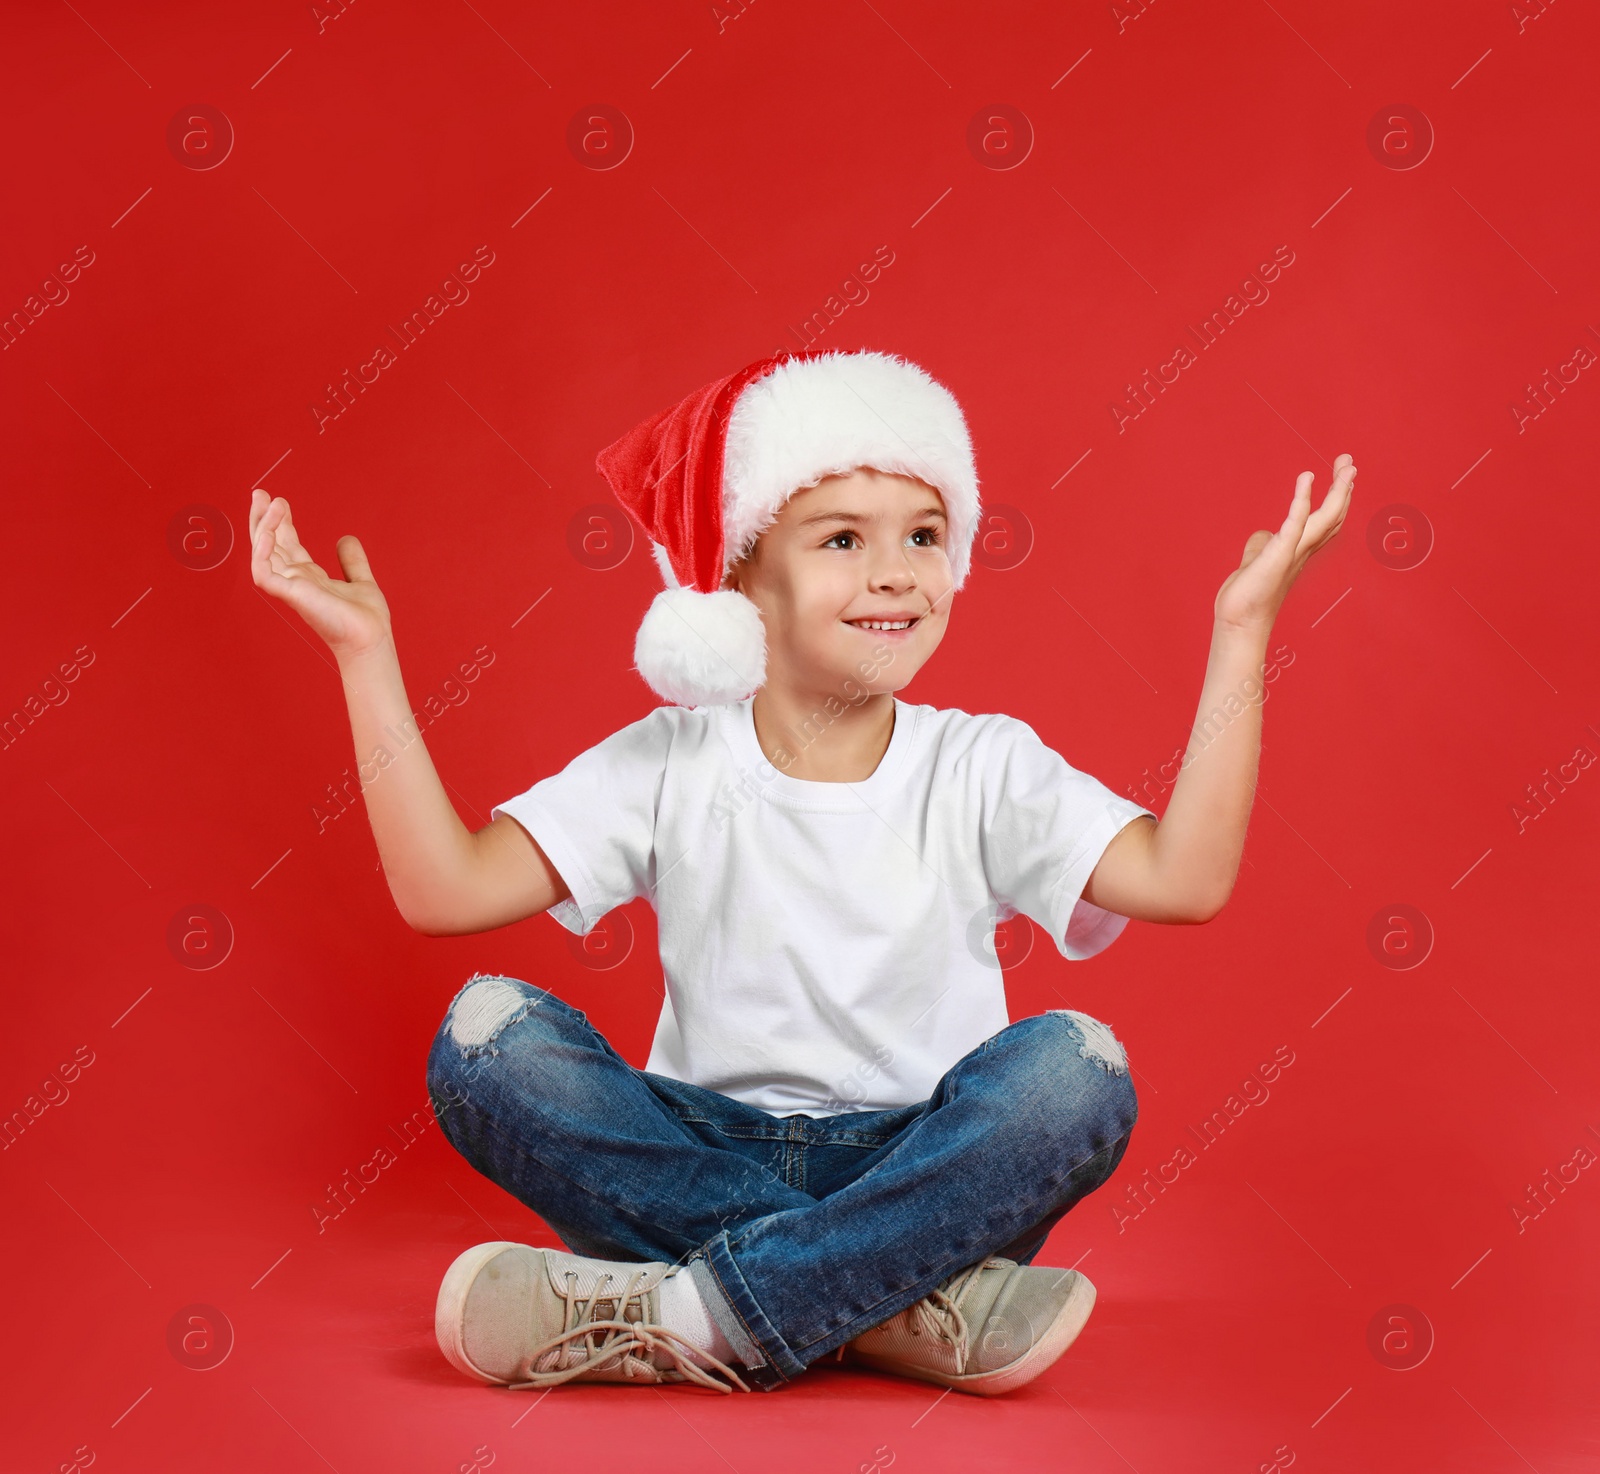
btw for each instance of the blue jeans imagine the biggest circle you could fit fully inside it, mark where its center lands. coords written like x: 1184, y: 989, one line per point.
x: 800, y: 1232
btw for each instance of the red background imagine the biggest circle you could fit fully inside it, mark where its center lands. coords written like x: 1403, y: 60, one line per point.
x: 1171, y: 153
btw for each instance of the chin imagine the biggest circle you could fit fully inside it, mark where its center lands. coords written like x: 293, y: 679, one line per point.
x: 884, y: 670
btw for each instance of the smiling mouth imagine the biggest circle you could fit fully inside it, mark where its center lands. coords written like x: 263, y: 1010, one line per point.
x: 882, y: 624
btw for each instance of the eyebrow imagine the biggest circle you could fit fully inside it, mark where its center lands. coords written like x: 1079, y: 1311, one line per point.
x: 862, y: 517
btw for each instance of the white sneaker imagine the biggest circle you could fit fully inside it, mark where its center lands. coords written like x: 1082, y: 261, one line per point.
x: 524, y: 1317
x: 988, y: 1329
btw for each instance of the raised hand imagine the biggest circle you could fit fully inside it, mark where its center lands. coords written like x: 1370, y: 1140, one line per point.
x: 1252, y: 594
x: 351, y: 615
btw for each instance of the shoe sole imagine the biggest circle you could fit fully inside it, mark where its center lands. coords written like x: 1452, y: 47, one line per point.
x: 1060, y: 1334
x: 449, y: 1314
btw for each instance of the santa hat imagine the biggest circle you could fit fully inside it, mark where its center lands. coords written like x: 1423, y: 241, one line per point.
x: 706, y: 477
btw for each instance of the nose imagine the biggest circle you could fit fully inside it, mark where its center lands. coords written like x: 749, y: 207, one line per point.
x: 891, y: 573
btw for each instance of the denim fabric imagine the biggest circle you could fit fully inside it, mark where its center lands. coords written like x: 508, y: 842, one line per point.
x: 801, y: 1232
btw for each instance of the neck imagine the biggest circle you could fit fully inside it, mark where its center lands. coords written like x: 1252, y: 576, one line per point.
x: 822, y: 739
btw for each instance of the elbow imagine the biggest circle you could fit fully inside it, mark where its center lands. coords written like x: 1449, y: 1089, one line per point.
x: 1208, y: 908
x: 422, y: 924
x: 427, y: 921
x: 441, y: 925
x: 430, y: 908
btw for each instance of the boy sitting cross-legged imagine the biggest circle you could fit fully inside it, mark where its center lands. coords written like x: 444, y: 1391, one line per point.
x: 840, y: 1144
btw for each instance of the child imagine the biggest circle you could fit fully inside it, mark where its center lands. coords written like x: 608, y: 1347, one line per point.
x: 840, y: 1144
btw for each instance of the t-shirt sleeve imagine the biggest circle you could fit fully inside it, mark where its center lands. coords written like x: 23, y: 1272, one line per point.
x: 1046, y: 824
x: 596, y: 819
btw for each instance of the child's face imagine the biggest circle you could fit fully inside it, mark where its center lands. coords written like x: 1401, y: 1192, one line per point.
x: 844, y: 558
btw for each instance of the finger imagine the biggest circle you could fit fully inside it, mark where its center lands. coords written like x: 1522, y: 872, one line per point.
x: 258, y: 504
x: 267, y: 565
x: 271, y: 516
x: 1300, y: 503
x: 292, y: 581
x: 353, y: 559
x: 267, y: 578
x: 281, y: 519
x: 293, y: 588
x: 1253, y: 545
x: 267, y: 560
x: 281, y: 553
x: 1287, y: 537
x: 262, y: 541
x: 1329, y: 517
x: 268, y: 535
x: 268, y: 513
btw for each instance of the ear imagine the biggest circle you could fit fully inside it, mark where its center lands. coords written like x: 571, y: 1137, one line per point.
x: 737, y: 575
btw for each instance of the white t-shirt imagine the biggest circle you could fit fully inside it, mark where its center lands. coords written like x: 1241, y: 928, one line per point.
x: 827, y: 947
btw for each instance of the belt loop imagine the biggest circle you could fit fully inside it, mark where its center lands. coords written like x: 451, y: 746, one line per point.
x: 794, y: 1160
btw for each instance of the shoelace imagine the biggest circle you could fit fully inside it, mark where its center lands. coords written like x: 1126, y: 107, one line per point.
x: 939, y: 1313
x: 628, y: 1339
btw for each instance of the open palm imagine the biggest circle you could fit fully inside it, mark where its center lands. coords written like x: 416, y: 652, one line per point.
x: 1252, y: 594
x: 350, y: 614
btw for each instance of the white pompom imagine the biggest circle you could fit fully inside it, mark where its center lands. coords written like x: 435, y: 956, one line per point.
x: 701, y: 649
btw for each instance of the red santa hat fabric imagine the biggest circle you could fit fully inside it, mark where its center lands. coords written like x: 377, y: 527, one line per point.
x: 704, y: 478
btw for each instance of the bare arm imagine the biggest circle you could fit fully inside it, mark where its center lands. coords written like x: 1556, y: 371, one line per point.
x: 445, y: 879
x: 1182, y: 868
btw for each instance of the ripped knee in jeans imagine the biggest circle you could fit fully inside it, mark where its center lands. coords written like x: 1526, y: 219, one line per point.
x: 483, y: 1010
x: 1096, y: 1041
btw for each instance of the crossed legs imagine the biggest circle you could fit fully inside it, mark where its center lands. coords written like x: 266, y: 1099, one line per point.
x: 627, y: 1165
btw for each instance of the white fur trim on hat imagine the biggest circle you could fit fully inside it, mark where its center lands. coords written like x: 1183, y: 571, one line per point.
x: 816, y: 417
x: 701, y: 649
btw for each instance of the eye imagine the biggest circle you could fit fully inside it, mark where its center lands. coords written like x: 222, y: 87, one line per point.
x: 842, y: 540
x: 925, y: 537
